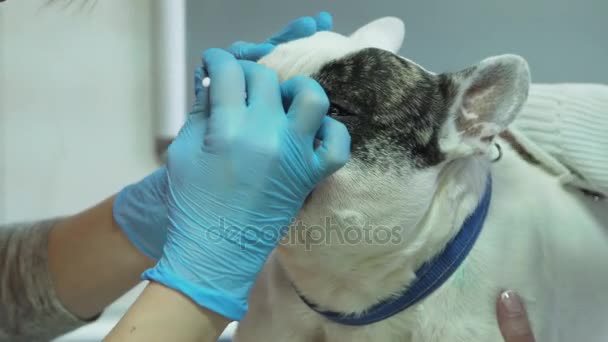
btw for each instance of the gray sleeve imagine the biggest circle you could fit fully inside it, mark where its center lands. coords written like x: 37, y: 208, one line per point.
x: 29, y: 307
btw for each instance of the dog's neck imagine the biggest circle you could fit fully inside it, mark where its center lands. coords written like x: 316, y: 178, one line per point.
x: 350, y: 279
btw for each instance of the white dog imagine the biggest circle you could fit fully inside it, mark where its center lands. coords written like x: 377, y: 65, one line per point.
x: 423, y: 175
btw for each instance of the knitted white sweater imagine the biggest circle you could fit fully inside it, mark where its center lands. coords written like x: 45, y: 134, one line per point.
x: 565, y: 127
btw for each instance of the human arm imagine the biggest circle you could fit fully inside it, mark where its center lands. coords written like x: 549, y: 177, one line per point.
x: 30, y: 308
x: 59, y: 274
x: 91, y: 261
x: 180, y: 319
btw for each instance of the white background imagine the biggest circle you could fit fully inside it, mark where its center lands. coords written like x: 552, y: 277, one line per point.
x: 75, y: 110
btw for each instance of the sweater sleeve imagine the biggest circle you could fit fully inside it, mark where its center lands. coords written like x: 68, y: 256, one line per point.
x: 565, y: 127
x: 30, y: 309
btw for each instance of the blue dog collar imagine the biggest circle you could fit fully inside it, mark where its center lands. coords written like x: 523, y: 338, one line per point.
x: 429, y: 277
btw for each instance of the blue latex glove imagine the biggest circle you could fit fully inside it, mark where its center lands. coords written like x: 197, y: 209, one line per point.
x: 140, y: 209
x: 300, y: 28
x: 238, y: 173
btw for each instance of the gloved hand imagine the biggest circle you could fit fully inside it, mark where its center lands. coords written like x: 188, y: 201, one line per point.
x: 140, y: 209
x: 300, y: 28
x: 238, y: 173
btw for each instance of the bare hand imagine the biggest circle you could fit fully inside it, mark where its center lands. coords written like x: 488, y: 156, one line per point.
x: 513, y: 319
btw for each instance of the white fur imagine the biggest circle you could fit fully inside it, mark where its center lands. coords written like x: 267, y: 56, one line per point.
x: 548, y: 244
x: 385, y: 33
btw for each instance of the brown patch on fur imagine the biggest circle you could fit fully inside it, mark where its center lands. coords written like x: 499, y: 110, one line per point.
x: 468, y: 128
x: 507, y: 136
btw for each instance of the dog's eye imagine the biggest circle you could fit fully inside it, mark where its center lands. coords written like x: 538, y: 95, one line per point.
x: 336, y: 111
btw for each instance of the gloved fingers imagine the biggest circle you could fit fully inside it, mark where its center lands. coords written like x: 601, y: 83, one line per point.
x: 308, y: 104
x: 250, y: 51
x: 324, y: 21
x: 227, y: 81
x: 263, y: 87
x: 334, y: 150
x: 201, y: 102
x: 299, y: 28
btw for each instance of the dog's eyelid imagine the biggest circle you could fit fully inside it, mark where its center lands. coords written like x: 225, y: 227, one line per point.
x: 338, y: 110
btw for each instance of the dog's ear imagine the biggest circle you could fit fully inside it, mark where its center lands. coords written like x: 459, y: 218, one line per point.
x: 385, y: 33
x: 484, y: 100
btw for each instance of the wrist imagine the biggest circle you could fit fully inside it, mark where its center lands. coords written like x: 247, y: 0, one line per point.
x: 215, y: 319
x: 179, y: 320
x: 207, y: 290
x: 91, y: 262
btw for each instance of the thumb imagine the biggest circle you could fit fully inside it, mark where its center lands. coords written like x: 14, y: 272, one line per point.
x: 299, y: 28
x: 513, y: 319
x: 250, y: 51
x: 201, y: 93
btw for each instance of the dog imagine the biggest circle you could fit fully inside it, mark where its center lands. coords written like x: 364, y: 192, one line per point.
x: 424, y: 161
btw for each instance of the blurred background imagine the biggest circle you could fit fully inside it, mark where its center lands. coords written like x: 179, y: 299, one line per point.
x: 83, y: 89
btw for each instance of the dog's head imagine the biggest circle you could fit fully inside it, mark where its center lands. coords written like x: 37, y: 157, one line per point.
x: 406, y: 123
